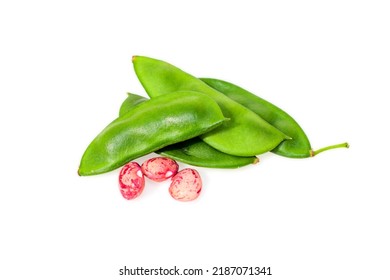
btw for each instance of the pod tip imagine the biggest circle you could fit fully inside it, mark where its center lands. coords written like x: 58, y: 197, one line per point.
x: 256, y: 160
x: 133, y: 58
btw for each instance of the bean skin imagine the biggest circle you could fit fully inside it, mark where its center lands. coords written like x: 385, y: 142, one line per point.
x: 298, y: 146
x: 186, y: 185
x: 246, y: 134
x: 148, y: 127
x: 159, y: 169
x: 193, y: 151
x: 131, y: 180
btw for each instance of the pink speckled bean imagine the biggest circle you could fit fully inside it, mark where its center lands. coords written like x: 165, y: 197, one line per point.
x: 159, y: 168
x: 186, y: 185
x: 131, y: 180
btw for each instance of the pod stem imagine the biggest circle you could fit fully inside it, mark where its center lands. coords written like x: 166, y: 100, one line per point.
x: 316, y: 152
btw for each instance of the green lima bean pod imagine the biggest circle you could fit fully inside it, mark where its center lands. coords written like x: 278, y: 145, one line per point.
x: 150, y: 126
x: 193, y: 151
x: 297, y: 147
x: 246, y: 134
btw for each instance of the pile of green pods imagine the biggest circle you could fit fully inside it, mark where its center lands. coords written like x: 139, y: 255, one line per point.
x: 198, y: 121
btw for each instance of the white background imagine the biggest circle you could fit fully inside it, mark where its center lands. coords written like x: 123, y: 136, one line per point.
x: 65, y: 68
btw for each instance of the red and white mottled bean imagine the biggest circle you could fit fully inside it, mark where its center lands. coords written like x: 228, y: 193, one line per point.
x: 131, y: 180
x: 159, y: 168
x: 186, y: 185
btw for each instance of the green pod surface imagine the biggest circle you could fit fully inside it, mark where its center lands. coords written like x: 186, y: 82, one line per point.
x: 297, y: 147
x: 193, y: 151
x: 246, y: 134
x: 196, y: 152
x: 130, y: 102
x: 148, y: 127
